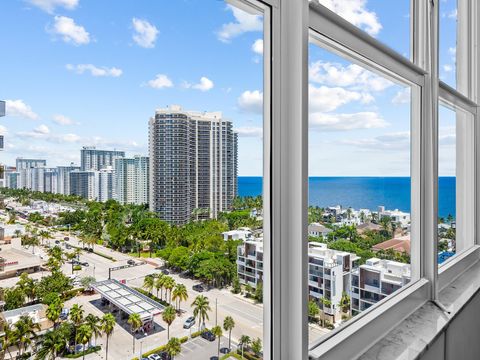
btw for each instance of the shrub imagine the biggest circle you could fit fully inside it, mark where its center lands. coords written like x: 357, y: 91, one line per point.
x: 80, y: 354
x: 105, y: 256
x: 77, y: 268
x: 67, y: 295
x: 183, y: 339
x: 153, y: 297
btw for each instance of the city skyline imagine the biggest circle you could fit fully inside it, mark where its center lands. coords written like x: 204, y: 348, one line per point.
x: 46, y: 99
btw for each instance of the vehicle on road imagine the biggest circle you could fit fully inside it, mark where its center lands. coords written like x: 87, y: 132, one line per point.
x: 66, y: 238
x: 198, y: 288
x: 164, y: 355
x: 189, y: 322
x: 208, y: 335
x: 131, y: 262
x: 57, y: 242
x: 154, y: 357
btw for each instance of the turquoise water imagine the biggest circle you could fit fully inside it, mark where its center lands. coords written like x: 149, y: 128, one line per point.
x: 361, y: 192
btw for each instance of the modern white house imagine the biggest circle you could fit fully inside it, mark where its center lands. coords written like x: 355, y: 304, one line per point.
x: 403, y: 218
x: 318, y: 230
x: 375, y: 280
x: 239, y: 234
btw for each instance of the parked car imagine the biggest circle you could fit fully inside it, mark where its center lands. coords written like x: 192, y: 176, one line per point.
x: 165, y: 271
x: 198, y: 288
x: 189, y: 322
x: 131, y: 262
x: 83, y: 263
x: 66, y: 238
x: 208, y: 335
x: 57, y: 242
x: 164, y: 355
x: 154, y: 357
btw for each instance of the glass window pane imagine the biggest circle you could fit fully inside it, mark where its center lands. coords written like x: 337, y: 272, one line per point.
x: 455, y: 182
x: 158, y: 123
x: 387, y: 21
x: 448, y: 42
x: 359, y: 189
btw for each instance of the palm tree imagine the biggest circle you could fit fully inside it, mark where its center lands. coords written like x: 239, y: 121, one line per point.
x: 180, y: 293
x: 325, y: 303
x: 135, y: 323
x: 345, y: 303
x: 174, y: 347
x: 94, y: 322
x: 169, y: 285
x: 76, y: 315
x: 44, y: 234
x: 245, y: 341
x: 257, y: 346
x: 168, y: 316
x: 159, y: 282
x: 83, y: 336
x: 53, y: 343
x: 8, y: 338
x: 53, y: 312
x: 17, y: 233
x: 24, y: 332
x: 201, y: 307
x: 228, y: 325
x: 108, y: 325
x: 217, y: 331
x: 148, y: 283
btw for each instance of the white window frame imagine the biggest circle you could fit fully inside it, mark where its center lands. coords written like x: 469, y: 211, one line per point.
x: 286, y: 38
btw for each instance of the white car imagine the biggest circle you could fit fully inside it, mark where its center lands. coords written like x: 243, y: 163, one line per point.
x: 154, y: 357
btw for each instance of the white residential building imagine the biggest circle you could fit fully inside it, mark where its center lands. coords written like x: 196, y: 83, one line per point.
x: 318, y: 230
x: 63, y: 178
x: 250, y: 262
x: 375, y: 280
x: 132, y: 180
x: 396, y: 215
x: 50, y: 181
x: 105, y: 185
x: 84, y: 184
x: 239, y: 234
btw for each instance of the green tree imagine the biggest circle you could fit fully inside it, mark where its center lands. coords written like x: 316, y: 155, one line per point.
x: 201, y: 307
x: 245, y: 342
x: 169, y: 314
x: 174, y: 347
x: 228, y: 325
x: 313, y: 310
x: 159, y: 283
x: 83, y: 336
x: 135, y: 323
x: 53, y: 312
x: 95, y: 324
x: 180, y: 293
x: 217, y: 331
x: 14, y: 298
x: 76, y: 316
x: 257, y: 347
x: 24, y: 331
x: 169, y: 285
x: 344, y: 303
x: 149, y: 283
x: 108, y: 325
x: 54, y: 342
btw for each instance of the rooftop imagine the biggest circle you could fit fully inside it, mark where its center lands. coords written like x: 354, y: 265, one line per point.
x: 128, y: 299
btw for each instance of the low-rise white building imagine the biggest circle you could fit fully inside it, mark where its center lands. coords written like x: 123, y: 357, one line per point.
x: 403, y: 218
x: 318, y: 230
x: 239, y: 234
x: 375, y: 280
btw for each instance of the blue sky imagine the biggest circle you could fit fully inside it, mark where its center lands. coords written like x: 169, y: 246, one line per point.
x: 86, y: 72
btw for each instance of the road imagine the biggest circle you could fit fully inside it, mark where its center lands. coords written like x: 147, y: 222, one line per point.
x: 247, y: 315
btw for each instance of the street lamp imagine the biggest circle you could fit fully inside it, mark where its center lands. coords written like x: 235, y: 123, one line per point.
x: 140, y: 356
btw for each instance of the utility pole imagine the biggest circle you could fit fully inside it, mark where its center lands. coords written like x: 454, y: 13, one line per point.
x: 216, y: 311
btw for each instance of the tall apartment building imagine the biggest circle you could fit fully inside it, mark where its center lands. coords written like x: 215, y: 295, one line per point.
x: 193, y: 163
x: 132, y: 180
x: 63, y: 178
x: 84, y: 184
x: 12, y: 179
x: 93, y: 159
x: 31, y: 173
x: 375, y: 280
x: 50, y: 181
x: 22, y: 163
x: 2, y: 166
x: 105, y: 184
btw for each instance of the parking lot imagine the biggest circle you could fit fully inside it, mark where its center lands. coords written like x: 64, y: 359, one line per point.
x: 202, y: 349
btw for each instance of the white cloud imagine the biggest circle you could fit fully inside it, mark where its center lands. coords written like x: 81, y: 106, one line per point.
x: 452, y: 50
x: 20, y: 109
x: 353, y: 76
x: 42, y: 129
x: 161, y: 81
x: 50, y: 5
x: 251, y: 101
x: 452, y: 14
x: 205, y: 84
x: 252, y: 132
x: 257, y: 47
x: 63, y: 120
x: 145, y: 33
x: 345, y: 122
x: 388, y: 142
x: 326, y: 98
x: 355, y: 12
x: 447, y: 68
x: 69, y: 31
x: 3, y: 130
x: 244, y: 22
x: 95, y: 70
x: 402, y: 97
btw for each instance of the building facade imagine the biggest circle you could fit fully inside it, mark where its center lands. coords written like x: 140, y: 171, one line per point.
x: 84, y: 184
x: 193, y: 164
x: 93, y: 159
x: 132, y: 180
x: 63, y: 178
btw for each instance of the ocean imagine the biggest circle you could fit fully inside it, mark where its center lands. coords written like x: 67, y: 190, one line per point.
x: 361, y: 192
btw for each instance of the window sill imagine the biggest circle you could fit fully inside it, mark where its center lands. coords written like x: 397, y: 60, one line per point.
x: 414, y: 335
